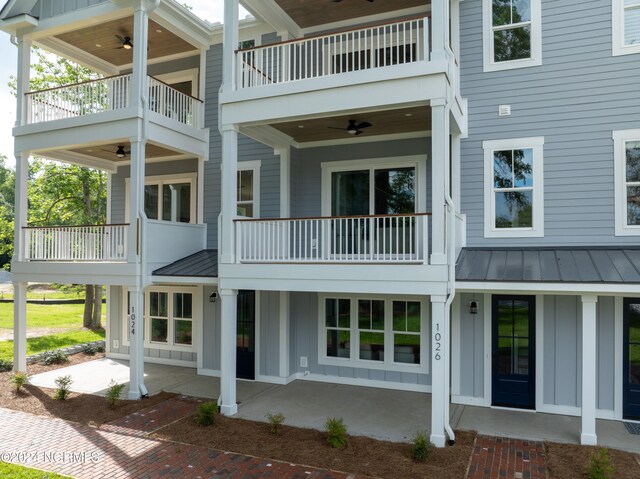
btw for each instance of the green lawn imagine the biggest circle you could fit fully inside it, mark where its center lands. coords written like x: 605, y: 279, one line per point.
x: 46, y: 315
x: 20, y: 472
x: 54, y: 341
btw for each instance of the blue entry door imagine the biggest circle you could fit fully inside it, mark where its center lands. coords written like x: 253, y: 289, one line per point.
x: 246, y: 335
x: 631, y: 359
x: 513, y: 381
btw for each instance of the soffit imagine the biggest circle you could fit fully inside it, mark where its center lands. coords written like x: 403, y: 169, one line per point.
x: 108, y: 151
x: 319, y: 12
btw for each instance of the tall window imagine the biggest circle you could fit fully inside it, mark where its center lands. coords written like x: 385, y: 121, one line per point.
x: 627, y: 181
x: 169, y: 198
x: 512, y: 34
x: 248, y: 197
x: 513, y: 199
x: 626, y: 26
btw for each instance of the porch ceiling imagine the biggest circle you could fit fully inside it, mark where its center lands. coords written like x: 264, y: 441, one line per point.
x: 319, y: 12
x: 389, y: 122
x: 101, y: 41
x: 108, y: 151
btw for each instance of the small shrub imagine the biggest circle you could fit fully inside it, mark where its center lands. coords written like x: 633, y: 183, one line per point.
x: 64, y: 385
x: 600, y: 466
x: 421, y: 447
x: 206, y: 414
x: 99, y: 349
x: 90, y: 350
x: 18, y: 380
x: 56, y: 356
x: 114, y: 391
x: 336, y: 432
x: 275, y: 421
x: 5, y: 365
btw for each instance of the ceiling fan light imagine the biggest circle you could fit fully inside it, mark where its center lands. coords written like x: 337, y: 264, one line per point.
x: 127, y: 45
x: 120, y: 153
x: 352, y: 131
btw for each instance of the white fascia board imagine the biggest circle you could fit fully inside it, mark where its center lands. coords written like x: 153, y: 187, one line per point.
x: 190, y: 28
x: 182, y: 280
x: 13, y: 24
x: 604, y: 289
x: 65, y: 50
x: 269, y: 136
x: 274, y: 15
x: 82, y: 160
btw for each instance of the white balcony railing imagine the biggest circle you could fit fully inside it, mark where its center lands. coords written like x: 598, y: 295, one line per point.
x: 104, y: 243
x: 327, y: 55
x: 360, y: 239
x: 79, y: 99
x: 110, y: 94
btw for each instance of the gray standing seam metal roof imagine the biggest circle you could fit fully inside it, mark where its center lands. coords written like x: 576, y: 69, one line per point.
x: 551, y: 265
x: 203, y: 264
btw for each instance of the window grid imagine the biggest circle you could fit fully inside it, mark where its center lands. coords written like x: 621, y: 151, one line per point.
x: 526, y: 24
x: 632, y: 187
x: 371, y: 329
x: 513, y: 188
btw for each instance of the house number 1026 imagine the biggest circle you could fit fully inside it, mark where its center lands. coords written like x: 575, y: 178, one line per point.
x: 437, y: 345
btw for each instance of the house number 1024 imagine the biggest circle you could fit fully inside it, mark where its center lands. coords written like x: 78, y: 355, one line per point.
x: 133, y: 320
x: 437, y: 344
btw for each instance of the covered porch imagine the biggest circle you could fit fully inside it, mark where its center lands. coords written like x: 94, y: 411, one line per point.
x: 366, y: 411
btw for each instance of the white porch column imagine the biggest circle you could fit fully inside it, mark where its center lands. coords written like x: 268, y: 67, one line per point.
x: 228, y: 327
x: 285, y: 212
x: 439, y: 166
x: 136, y: 197
x: 140, y: 41
x: 439, y: 28
x: 230, y: 44
x: 438, y: 371
x: 21, y: 206
x: 589, y: 370
x: 136, y: 343
x: 20, y: 327
x: 22, y: 83
x: 229, y: 180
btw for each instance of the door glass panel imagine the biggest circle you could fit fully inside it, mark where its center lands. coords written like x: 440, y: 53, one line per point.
x: 395, y: 191
x: 176, y: 202
x: 505, y: 358
x: 350, y: 193
x: 505, y: 318
x: 634, y: 323
x: 521, y: 319
x: 521, y: 356
x: 151, y: 201
x: 634, y: 363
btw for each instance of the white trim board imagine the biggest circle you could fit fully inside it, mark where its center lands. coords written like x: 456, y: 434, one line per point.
x: 151, y: 360
x: 620, y: 139
x: 601, y: 289
x: 617, y: 28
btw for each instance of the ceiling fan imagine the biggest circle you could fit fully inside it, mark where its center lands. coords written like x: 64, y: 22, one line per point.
x: 354, y: 127
x: 120, y: 152
x: 125, y: 41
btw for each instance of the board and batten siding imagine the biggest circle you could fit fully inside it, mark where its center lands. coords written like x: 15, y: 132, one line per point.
x: 574, y: 100
x: 52, y: 8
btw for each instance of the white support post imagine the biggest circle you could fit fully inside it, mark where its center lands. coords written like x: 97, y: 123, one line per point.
x: 456, y: 170
x: 21, y: 206
x: 589, y: 370
x: 439, y: 386
x: 285, y: 182
x: 136, y: 198
x: 230, y: 44
x: 20, y: 327
x: 439, y: 166
x: 22, y: 83
x: 226, y: 237
x: 200, y: 196
x: 284, y: 335
x: 139, y: 73
x: 439, y: 28
x: 136, y: 343
x: 228, y: 332
x: 202, y: 84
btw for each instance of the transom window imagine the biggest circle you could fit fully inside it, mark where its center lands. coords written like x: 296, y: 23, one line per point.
x: 512, y: 34
x: 514, y: 190
x: 627, y: 181
x: 374, y: 332
x: 626, y: 26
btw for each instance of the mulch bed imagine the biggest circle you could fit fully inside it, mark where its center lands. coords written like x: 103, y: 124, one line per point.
x: 82, y: 408
x: 566, y: 461
x: 362, y: 455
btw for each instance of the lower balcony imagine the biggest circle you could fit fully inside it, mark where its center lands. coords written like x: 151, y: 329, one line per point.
x: 351, y: 239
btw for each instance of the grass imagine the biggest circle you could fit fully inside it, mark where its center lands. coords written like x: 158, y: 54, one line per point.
x: 46, y: 315
x: 21, y: 472
x: 54, y: 341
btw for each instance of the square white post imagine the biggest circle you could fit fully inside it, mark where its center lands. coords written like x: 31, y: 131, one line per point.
x: 589, y: 370
x: 136, y: 343
x: 439, y: 386
x: 230, y: 44
x: 439, y: 166
x: 229, y: 181
x: 20, y: 327
x: 21, y: 205
x: 228, y: 339
x: 439, y: 28
x: 22, y: 82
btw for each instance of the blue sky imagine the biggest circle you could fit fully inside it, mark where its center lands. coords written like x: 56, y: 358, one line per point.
x: 211, y: 10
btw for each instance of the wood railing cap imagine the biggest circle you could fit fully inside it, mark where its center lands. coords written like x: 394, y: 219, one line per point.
x: 405, y: 215
x: 73, y: 226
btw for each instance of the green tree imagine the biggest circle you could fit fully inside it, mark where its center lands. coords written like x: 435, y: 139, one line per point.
x: 7, y: 192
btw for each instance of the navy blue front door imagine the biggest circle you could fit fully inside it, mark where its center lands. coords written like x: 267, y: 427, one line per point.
x: 513, y: 381
x: 631, y: 360
x: 246, y: 335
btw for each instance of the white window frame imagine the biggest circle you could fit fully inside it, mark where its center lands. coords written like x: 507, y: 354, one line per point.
x: 419, y: 162
x: 161, y: 180
x: 489, y: 64
x: 617, y: 16
x: 620, y: 138
x: 255, y: 167
x: 388, y: 364
x: 537, y: 230
x: 196, y: 319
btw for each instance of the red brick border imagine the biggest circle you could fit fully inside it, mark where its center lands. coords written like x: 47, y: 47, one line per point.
x: 497, y: 458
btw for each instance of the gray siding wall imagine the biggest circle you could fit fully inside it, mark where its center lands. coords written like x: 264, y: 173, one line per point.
x: 306, y: 171
x: 118, y: 183
x: 472, y: 347
x: 606, y: 353
x: 269, y: 333
x: 51, y: 8
x: 304, y: 338
x: 210, y: 331
x: 575, y: 99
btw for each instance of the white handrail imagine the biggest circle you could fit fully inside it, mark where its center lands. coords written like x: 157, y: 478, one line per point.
x: 105, y: 243
x: 171, y: 103
x: 322, y: 56
x: 357, y: 239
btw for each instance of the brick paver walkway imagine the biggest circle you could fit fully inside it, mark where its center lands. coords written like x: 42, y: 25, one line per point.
x: 497, y: 458
x: 120, y: 450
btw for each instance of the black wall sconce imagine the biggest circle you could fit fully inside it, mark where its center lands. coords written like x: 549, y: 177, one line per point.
x: 212, y: 297
x: 473, y: 306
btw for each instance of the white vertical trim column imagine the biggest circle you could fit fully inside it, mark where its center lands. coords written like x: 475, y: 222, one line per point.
x: 589, y: 370
x: 285, y: 212
x: 230, y: 44
x: 540, y: 357
x: 136, y: 197
x: 200, y: 195
x: 439, y: 28
x: 456, y: 175
x: 456, y: 338
x: 618, y: 337
x: 21, y: 206
x: 439, y: 165
x: 488, y: 338
x: 438, y: 374
x: 284, y: 335
x: 202, y: 83
x: 136, y: 343
x: 22, y: 83
x: 228, y: 332
x: 229, y: 188
x: 20, y: 327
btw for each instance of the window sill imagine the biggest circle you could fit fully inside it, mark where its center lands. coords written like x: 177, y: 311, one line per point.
x: 510, y: 65
x: 377, y: 365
